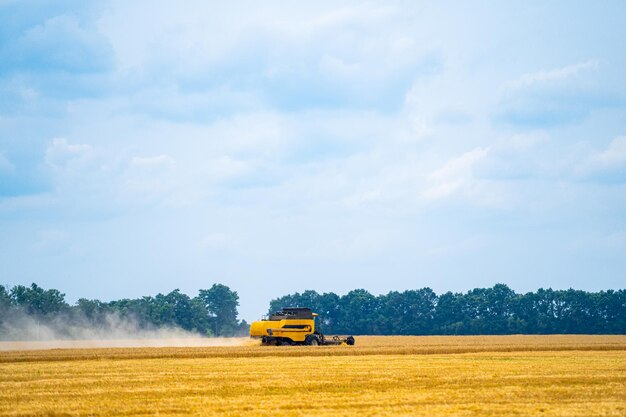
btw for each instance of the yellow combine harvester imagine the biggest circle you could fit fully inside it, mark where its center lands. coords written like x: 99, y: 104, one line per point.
x: 293, y: 326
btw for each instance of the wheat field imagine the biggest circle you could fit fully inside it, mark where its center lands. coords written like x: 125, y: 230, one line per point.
x: 380, y: 376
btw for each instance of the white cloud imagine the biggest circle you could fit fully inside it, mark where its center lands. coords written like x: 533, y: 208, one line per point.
x: 614, y: 156
x: 61, y: 147
x: 554, y: 74
x: 523, y: 141
x: 608, y: 164
x: 455, y: 176
x: 67, y: 159
x: 61, y: 43
x: 149, y: 177
x: 337, y: 67
x: 61, y: 152
x: 99, y: 178
x: 153, y: 162
x: 365, y: 197
x: 277, y: 54
x: 521, y: 156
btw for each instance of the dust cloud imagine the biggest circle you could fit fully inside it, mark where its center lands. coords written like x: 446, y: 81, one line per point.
x: 27, y: 333
x: 124, y: 343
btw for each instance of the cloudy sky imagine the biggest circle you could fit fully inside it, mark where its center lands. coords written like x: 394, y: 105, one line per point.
x: 282, y: 146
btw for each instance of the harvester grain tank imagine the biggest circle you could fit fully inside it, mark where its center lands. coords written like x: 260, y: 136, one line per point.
x: 293, y: 326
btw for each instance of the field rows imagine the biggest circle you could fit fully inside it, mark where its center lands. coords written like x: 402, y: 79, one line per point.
x: 365, y: 345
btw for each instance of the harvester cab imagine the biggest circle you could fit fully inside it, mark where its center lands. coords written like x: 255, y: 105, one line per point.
x: 293, y: 326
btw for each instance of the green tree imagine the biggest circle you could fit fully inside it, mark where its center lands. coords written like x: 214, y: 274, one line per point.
x: 328, y: 307
x: 611, y: 311
x: 221, y: 304
x: 39, y: 302
x: 450, y: 317
x: 498, y: 309
x: 410, y: 312
x: 93, y: 311
x: 359, y: 313
x: 6, y: 302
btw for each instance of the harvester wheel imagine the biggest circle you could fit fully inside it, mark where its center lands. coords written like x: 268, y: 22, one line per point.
x: 350, y: 340
x: 311, y: 340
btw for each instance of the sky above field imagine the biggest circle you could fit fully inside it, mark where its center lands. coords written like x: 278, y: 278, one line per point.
x: 281, y: 146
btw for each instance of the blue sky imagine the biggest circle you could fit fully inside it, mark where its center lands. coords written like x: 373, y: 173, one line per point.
x: 277, y: 147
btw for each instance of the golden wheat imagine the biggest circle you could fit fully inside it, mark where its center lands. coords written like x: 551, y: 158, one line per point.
x: 507, y: 375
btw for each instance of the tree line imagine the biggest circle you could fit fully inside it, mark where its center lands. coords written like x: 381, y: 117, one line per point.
x: 495, y: 310
x: 213, y: 312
